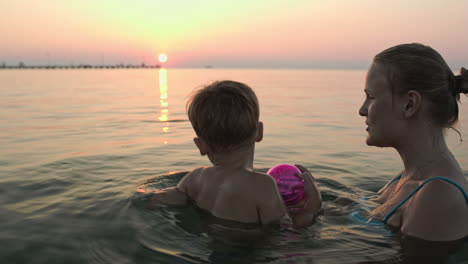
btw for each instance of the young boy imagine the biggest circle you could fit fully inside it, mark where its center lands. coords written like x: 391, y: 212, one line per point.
x: 225, y: 117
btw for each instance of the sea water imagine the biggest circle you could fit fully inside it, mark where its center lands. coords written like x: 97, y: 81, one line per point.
x: 77, y: 144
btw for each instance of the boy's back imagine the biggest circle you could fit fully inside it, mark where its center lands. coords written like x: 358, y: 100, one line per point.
x: 237, y: 194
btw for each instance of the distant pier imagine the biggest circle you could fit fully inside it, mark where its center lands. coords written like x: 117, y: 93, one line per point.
x: 79, y: 66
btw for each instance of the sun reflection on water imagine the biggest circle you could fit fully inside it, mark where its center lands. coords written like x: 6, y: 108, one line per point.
x: 163, y: 100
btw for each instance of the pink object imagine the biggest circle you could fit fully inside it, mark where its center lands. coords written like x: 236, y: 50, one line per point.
x: 290, y: 184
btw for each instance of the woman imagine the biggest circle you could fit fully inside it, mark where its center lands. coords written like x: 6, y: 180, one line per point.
x: 411, y: 99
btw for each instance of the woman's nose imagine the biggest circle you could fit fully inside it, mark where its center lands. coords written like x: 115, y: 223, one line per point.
x: 363, y: 110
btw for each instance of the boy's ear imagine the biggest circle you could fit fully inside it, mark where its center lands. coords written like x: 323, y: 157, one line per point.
x: 413, y: 103
x: 259, y: 135
x: 202, y: 146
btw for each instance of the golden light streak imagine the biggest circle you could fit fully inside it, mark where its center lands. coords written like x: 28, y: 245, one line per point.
x: 163, y: 118
x: 163, y: 97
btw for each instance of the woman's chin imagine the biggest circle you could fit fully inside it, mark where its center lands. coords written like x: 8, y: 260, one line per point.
x: 377, y: 143
x: 371, y: 141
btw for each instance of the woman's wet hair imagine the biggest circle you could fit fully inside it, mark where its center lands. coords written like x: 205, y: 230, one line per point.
x: 225, y: 114
x: 421, y: 68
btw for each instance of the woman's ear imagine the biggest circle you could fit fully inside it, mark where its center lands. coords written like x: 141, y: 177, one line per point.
x: 259, y: 135
x: 412, y: 104
x: 202, y: 146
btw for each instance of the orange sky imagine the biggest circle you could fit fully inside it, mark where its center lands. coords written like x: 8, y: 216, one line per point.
x: 242, y: 33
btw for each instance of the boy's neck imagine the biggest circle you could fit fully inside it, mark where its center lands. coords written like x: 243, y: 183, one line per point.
x: 242, y: 158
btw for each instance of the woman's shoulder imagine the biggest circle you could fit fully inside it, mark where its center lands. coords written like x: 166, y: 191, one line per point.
x: 439, y: 211
x: 441, y: 189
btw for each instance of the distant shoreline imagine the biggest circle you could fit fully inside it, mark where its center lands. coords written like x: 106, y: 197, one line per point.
x: 81, y: 66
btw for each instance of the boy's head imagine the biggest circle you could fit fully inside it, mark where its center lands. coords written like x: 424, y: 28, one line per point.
x: 225, y: 116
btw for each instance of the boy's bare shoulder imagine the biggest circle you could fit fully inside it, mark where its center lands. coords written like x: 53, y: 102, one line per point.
x: 190, y: 179
x: 197, y: 171
x: 263, y: 177
x: 264, y: 183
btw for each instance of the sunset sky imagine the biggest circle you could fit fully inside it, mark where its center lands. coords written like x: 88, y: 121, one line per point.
x: 241, y: 33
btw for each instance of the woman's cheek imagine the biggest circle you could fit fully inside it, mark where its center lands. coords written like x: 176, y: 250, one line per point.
x: 370, y: 109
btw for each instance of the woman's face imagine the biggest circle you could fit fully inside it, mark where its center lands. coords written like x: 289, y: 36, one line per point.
x: 380, y: 109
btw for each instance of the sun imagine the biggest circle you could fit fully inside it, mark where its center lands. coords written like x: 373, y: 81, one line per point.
x: 162, y: 58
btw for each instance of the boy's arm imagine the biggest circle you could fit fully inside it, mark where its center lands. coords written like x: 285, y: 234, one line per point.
x: 272, y: 209
x: 177, y: 195
x: 167, y: 196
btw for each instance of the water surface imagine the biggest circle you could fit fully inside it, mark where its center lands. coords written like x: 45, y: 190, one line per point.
x: 76, y: 144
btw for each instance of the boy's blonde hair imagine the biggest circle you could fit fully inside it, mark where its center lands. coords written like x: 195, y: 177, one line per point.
x: 225, y: 115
